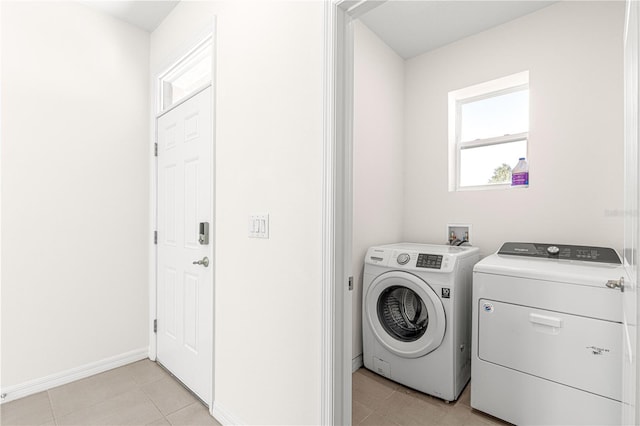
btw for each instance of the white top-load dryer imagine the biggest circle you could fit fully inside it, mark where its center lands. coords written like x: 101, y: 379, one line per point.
x: 547, y: 335
x: 416, y: 315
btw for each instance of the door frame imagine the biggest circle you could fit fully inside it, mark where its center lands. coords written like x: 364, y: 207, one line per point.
x: 337, y: 212
x: 177, y: 57
x: 336, y: 357
x: 630, y: 415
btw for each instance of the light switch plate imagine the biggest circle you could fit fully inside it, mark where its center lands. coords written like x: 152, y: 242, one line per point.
x: 259, y: 225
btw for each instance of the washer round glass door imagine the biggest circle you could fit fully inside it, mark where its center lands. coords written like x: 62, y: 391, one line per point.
x: 405, y: 314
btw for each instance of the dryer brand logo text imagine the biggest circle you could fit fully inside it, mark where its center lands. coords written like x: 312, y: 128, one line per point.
x: 597, y: 351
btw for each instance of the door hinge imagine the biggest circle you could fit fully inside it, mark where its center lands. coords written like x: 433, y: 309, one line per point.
x: 155, y: 325
x: 155, y: 237
x: 155, y: 149
x: 350, y: 283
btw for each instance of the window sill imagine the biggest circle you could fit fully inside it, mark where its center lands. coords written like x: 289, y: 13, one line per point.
x: 502, y: 187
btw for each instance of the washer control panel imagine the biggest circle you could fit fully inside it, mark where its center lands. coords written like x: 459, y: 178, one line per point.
x: 403, y: 258
x: 560, y: 251
x: 432, y: 258
x: 431, y: 261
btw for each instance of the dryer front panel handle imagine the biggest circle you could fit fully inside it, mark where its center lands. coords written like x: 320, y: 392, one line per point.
x: 543, y: 320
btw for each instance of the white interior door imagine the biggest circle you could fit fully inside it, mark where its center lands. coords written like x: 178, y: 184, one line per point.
x: 630, y: 414
x: 185, y: 288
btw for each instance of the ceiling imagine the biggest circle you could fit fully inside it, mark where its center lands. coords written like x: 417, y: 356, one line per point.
x: 146, y: 15
x: 410, y: 27
x: 415, y: 27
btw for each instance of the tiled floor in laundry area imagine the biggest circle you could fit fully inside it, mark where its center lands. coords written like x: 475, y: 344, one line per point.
x: 141, y: 393
x: 381, y: 402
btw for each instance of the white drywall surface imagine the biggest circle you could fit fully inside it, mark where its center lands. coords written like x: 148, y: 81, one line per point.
x: 378, y: 173
x: 573, y: 52
x: 269, y: 159
x: 74, y: 189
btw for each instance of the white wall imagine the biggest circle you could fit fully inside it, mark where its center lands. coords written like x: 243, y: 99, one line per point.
x: 378, y: 193
x: 573, y: 51
x: 74, y: 189
x: 268, y: 160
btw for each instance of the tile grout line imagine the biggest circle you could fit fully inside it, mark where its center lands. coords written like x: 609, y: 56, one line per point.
x: 130, y: 376
x: 140, y: 387
x: 53, y: 413
x: 366, y: 417
x: 165, y: 416
x: 174, y: 379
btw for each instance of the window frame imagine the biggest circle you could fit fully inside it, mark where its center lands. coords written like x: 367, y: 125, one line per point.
x: 498, y: 87
x: 203, y: 47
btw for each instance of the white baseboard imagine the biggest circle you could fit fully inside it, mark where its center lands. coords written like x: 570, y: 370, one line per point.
x: 356, y: 363
x: 44, y: 383
x: 224, y: 417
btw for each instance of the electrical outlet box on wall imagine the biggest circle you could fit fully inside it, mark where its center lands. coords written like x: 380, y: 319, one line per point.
x: 458, y: 233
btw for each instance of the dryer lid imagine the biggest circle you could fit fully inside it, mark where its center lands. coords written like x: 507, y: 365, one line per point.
x: 554, y: 270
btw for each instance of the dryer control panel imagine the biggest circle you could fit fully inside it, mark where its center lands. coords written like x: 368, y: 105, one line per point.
x: 561, y: 251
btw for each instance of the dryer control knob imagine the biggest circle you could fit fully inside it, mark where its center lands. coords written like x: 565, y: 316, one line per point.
x: 553, y: 250
x: 403, y: 258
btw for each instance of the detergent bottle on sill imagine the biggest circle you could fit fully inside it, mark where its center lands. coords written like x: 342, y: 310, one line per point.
x: 520, y: 174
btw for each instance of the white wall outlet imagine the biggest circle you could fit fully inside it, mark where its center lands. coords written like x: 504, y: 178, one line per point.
x: 458, y: 234
x: 259, y: 226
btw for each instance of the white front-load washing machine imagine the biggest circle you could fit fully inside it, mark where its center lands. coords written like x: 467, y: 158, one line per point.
x: 416, y: 311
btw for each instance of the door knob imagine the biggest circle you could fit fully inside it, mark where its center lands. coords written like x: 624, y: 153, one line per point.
x: 204, y: 262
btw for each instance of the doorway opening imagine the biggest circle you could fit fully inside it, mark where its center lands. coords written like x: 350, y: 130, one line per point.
x: 346, y: 15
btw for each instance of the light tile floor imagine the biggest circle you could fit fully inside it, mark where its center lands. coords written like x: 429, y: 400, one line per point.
x: 381, y: 402
x: 141, y: 393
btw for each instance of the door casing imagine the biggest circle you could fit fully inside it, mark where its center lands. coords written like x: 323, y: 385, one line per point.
x: 338, y: 208
x: 631, y: 296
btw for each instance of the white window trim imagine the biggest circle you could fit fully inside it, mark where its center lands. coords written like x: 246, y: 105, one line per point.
x: 457, y: 98
x: 185, y: 61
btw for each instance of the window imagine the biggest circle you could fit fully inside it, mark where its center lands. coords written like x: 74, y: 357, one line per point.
x: 187, y: 76
x: 488, y: 132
